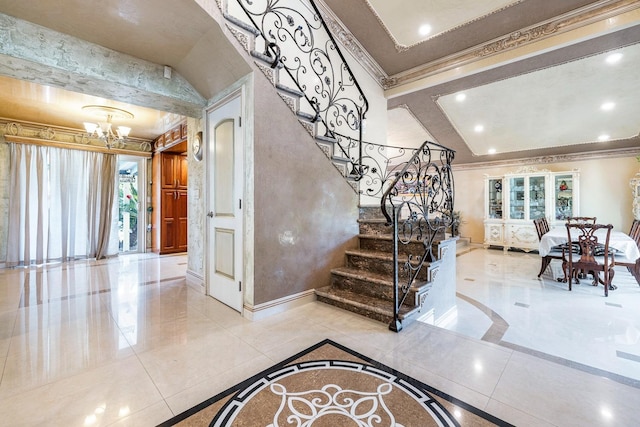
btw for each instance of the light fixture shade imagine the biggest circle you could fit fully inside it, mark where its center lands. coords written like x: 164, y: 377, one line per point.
x: 123, y: 131
x: 105, y: 131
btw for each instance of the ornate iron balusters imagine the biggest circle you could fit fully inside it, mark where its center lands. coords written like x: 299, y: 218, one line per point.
x: 417, y: 182
x: 422, y: 193
x: 299, y: 40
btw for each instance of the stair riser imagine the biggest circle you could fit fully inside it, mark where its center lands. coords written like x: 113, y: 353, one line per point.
x: 386, y: 246
x: 381, y: 266
x: 358, y: 310
x: 365, y: 287
x: 375, y: 228
x: 371, y: 212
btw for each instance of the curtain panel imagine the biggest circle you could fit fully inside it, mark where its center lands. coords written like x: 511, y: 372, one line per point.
x: 61, y: 205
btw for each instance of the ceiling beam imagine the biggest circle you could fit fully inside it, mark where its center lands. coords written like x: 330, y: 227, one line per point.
x: 40, y: 55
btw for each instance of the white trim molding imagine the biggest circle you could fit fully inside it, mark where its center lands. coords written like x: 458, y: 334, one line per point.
x: 264, y: 310
x: 195, y: 280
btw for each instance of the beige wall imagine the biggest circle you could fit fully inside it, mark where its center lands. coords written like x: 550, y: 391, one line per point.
x: 305, y: 212
x: 604, y: 191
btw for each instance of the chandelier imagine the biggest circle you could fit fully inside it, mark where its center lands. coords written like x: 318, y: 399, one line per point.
x: 103, y: 130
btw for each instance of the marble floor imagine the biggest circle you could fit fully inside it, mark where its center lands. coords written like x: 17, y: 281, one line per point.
x: 126, y: 342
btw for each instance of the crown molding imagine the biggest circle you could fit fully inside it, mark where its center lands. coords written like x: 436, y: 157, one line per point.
x: 403, y: 48
x: 570, y: 21
x: 349, y: 42
x: 63, y: 137
x: 542, y: 160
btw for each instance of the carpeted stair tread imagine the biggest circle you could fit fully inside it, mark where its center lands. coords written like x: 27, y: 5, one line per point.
x: 363, y: 302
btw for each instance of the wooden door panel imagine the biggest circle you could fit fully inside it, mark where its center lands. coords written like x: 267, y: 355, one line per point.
x: 168, y: 167
x: 182, y: 171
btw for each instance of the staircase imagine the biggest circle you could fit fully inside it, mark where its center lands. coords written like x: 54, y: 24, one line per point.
x: 365, y: 284
x: 291, y: 45
x: 338, y: 137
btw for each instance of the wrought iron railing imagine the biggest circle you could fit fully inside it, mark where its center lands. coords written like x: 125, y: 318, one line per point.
x: 298, y: 39
x: 420, y: 192
x: 417, y: 182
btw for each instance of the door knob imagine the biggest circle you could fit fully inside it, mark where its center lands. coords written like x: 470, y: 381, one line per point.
x: 210, y: 214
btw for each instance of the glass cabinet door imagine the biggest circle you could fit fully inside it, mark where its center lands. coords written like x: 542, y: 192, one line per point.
x: 536, y: 197
x: 495, y: 198
x: 563, y: 185
x: 516, y: 198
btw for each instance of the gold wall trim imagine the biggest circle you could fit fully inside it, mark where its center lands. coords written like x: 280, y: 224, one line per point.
x: 23, y: 132
x: 70, y: 145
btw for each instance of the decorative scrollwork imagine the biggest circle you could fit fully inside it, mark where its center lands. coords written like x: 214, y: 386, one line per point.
x: 47, y: 133
x: 14, y: 128
x: 145, y: 146
x: 299, y: 40
x: 420, y: 194
x: 360, y: 408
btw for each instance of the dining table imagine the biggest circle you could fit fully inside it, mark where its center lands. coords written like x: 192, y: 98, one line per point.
x: 620, y: 241
x: 626, y: 248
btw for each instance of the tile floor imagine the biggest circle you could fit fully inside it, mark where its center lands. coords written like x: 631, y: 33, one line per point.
x: 126, y: 342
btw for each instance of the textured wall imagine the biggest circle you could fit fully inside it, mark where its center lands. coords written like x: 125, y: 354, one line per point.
x: 305, y: 212
x: 4, y: 199
x: 48, y: 57
x: 196, y: 207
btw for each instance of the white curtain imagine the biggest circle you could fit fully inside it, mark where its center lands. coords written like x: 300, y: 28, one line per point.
x: 61, y: 205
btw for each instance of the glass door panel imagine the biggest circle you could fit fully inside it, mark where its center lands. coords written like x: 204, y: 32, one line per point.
x: 563, y: 185
x: 495, y: 198
x: 536, y: 197
x: 516, y: 198
x: 130, y: 229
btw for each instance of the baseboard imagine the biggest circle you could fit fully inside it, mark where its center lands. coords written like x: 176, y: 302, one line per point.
x: 427, y: 317
x: 264, y: 310
x: 447, y: 318
x: 195, y: 281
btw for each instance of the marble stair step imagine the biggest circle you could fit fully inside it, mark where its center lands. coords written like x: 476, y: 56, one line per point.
x: 374, y: 226
x: 372, y: 284
x: 371, y: 307
x: 382, y: 263
x: 384, y: 243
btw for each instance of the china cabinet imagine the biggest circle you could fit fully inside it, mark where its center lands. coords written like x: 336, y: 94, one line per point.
x: 514, y: 200
x: 565, y: 196
x: 493, y: 221
x: 635, y: 192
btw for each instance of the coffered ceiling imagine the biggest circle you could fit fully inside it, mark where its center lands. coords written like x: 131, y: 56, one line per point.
x: 533, y: 71
x: 505, y: 80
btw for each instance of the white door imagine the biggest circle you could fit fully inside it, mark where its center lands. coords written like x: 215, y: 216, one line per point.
x: 224, y: 218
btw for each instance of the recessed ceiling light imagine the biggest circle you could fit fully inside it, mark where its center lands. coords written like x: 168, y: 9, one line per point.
x: 613, y: 58
x: 424, y: 29
x: 607, y: 106
x: 603, y: 137
x: 461, y: 97
x: 491, y: 151
x: 478, y: 128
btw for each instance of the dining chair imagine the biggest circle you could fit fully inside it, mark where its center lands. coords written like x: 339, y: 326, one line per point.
x: 542, y: 228
x: 633, y: 265
x: 594, y: 256
x: 581, y: 219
